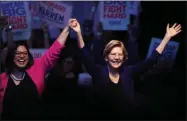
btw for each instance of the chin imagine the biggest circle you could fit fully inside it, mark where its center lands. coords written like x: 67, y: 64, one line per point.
x: 21, y: 67
x: 116, y: 66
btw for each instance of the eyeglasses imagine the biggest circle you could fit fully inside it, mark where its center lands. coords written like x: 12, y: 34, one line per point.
x: 115, y: 55
x: 21, y: 53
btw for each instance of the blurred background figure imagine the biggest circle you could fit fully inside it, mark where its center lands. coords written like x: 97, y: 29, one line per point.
x: 64, y: 97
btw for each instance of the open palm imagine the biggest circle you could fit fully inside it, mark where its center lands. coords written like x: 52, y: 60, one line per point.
x: 174, y: 30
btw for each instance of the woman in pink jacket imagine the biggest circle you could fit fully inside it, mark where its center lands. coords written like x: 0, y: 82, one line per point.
x: 23, y: 82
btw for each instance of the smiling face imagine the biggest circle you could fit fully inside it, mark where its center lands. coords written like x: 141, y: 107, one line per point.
x: 115, y: 57
x: 115, y: 53
x: 21, y: 57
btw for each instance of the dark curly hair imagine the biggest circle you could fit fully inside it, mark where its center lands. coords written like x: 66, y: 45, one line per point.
x: 9, y: 61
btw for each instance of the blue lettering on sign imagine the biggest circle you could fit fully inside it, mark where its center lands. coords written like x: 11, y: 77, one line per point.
x: 51, y: 16
x: 114, y: 23
x: 5, y: 5
x: 13, y: 9
x: 167, y: 55
x: 14, y: 12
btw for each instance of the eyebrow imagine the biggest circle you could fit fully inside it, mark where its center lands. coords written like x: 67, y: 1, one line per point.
x: 22, y: 52
x: 116, y: 53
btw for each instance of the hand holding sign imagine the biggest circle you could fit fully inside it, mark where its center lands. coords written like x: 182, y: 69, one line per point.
x: 174, y: 30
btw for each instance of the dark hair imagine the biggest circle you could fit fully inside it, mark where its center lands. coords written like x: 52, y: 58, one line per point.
x: 3, y: 55
x: 77, y: 68
x: 9, y: 61
x: 74, y: 54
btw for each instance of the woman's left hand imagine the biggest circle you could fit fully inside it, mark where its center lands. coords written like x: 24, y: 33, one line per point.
x: 75, y: 26
x: 174, y: 30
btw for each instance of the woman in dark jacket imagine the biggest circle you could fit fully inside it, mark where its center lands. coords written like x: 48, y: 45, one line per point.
x: 117, y: 98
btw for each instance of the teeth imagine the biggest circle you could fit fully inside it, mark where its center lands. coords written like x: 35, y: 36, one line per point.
x: 21, y: 60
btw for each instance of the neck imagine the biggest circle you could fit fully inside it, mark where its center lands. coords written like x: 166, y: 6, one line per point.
x: 17, y: 73
x: 113, y: 71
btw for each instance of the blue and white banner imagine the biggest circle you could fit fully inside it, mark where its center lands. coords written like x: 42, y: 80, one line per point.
x: 55, y: 13
x: 114, y: 15
x: 169, y: 53
x: 19, y: 17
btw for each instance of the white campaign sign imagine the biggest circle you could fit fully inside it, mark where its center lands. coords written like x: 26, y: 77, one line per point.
x: 114, y: 15
x: 55, y: 13
x: 19, y: 17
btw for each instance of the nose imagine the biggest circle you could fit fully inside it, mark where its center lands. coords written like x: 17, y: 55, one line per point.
x: 117, y: 57
x: 21, y: 55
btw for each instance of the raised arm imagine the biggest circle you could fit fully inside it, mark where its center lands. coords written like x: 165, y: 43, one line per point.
x: 50, y: 57
x: 170, y: 32
x: 148, y: 63
x: 88, y: 61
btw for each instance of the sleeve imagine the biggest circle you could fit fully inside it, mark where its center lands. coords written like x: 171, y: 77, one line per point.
x: 50, y: 57
x: 146, y: 64
x: 88, y: 61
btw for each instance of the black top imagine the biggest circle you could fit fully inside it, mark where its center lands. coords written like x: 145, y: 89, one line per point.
x: 100, y: 77
x: 61, y: 98
x: 21, y: 101
x: 115, y: 96
x: 113, y: 104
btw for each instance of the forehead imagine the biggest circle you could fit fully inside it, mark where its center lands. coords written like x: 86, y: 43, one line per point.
x: 117, y: 50
x: 21, y: 48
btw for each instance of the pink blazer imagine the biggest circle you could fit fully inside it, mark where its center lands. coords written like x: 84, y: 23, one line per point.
x: 37, y: 71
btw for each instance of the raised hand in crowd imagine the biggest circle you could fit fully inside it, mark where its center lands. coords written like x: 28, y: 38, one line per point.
x: 170, y: 32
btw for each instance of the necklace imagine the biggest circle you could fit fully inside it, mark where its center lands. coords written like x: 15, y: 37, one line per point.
x: 15, y: 78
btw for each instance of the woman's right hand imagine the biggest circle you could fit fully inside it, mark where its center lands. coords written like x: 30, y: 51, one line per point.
x: 74, y: 24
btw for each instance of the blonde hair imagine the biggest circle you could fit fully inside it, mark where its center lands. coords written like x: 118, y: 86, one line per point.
x: 111, y: 45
